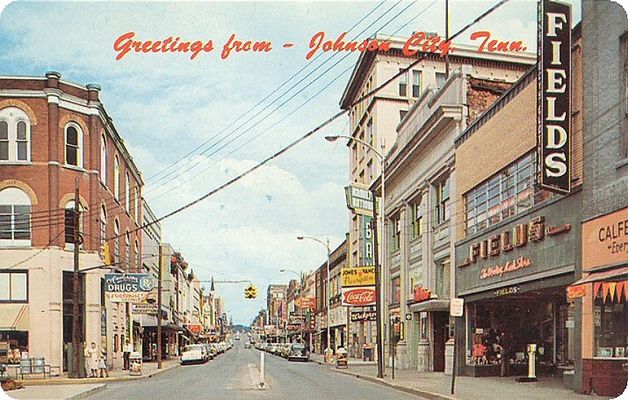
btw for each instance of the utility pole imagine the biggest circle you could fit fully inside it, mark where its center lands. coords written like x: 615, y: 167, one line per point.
x: 159, y: 316
x: 76, y: 329
x: 378, y: 286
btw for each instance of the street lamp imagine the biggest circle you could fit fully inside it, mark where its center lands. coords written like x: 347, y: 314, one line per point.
x: 326, y: 244
x: 378, y: 284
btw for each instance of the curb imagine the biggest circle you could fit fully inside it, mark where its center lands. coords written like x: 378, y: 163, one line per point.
x: 67, y: 381
x: 423, y: 393
x: 87, y: 393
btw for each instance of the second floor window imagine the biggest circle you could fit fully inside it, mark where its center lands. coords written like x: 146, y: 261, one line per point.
x: 116, y: 177
x: 441, y: 201
x: 416, y: 83
x: 403, y: 84
x: 73, y: 145
x: 13, y: 286
x: 15, y: 135
x: 395, y: 231
x: 103, y: 160
x: 127, y: 193
x: 441, y: 78
x: 15, y: 217
x: 507, y: 193
x: 417, y: 219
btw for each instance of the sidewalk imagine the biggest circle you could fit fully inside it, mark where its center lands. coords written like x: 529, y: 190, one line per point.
x: 437, y: 385
x: 320, y: 359
x: 148, y: 370
x: 58, y: 392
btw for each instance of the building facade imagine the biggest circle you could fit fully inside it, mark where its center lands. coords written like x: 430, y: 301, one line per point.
x: 517, y: 247
x: 55, y: 136
x: 601, y: 300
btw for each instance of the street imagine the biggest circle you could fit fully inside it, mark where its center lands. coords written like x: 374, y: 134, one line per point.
x: 234, y: 375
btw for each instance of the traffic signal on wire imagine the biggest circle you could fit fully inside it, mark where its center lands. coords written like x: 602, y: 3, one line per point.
x: 250, y: 292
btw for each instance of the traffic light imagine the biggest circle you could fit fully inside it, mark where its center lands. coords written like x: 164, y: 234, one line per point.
x: 106, y: 254
x: 250, y: 292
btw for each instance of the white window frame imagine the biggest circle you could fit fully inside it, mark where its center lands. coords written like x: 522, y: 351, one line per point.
x: 12, y: 116
x: 116, y: 177
x: 103, y: 160
x: 10, y: 274
x: 13, y: 197
x: 79, y: 150
x: 127, y: 193
x: 103, y: 225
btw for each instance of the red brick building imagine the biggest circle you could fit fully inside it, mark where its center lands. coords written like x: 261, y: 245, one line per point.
x: 55, y: 135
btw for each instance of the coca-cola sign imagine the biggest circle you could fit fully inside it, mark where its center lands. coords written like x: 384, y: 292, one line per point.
x: 358, y: 296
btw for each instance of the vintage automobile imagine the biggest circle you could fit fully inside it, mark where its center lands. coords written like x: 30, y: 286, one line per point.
x: 194, y: 353
x: 298, y: 351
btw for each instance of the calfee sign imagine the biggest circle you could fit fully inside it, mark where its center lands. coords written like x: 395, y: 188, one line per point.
x: 554, y: 96
x: 605, y: 240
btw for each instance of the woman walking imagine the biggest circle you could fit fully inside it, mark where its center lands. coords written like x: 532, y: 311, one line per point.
x: 93, y: 360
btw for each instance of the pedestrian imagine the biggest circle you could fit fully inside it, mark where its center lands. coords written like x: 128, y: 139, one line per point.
x: 128, y: 349
x: 102, y: 365
x: 86, y: 367
x: 93, y: 356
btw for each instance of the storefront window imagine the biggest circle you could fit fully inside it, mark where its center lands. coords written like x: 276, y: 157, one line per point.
x: 509, y: 192
x: 611, y: 326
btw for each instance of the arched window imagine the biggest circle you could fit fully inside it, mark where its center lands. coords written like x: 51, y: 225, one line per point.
x: 103, y: 160
x: 116, y: 242
x: 103, y: 225
x: 138, y: 258
x: 116, y: 177
x: 127, y: 193
x: 15, y: 217
x: 73, y: 145
x: 136, y: 205
x: 69, y: 221
x: 127, y: 250
x: 15, y: 135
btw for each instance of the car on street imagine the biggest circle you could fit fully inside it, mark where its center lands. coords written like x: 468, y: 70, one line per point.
x: 285, y: 350
x: 211, y: 351
x: 194, y: 353
x: 247, y: 345
x: 298, y: 351
x: 272, y: 347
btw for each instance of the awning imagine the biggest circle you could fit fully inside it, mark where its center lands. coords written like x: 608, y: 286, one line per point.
x: 430, y: 305
x: 14, y: 317
x: 613, y: 283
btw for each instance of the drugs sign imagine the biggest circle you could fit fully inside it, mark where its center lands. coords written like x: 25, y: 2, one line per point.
x: 128, y: 287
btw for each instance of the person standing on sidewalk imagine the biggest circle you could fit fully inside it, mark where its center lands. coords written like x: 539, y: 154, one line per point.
x: 93, y: 360
x: 128, y: 349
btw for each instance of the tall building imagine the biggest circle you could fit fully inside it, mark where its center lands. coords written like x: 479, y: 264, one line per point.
x: 377, y: 120
x: 54, y: 135
x: 276, y: 296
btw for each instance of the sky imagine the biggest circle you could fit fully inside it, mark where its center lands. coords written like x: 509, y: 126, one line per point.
x: 205, y: 115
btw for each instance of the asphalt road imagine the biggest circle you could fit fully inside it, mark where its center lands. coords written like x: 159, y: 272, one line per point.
x: 234, y: 375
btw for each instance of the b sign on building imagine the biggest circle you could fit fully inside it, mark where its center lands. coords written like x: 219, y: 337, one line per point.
x: 554, y: 96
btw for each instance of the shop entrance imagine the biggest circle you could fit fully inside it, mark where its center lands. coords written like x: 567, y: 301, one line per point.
x: 502, y: 327
x: 441, y: 333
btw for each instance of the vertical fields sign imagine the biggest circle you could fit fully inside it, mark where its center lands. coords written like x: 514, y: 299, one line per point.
x: 554, y: 96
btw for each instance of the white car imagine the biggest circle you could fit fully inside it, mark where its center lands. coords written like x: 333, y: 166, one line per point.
x: 194, y: 353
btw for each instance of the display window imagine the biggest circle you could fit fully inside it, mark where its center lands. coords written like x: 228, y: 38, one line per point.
x: 610, y: 319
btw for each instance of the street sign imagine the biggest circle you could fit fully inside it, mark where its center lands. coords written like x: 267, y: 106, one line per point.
x: 359, y: 276
x: 456, y: 307
x: 128, y: 287
x: 359, y: 200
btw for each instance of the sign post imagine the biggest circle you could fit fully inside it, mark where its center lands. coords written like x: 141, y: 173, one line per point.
x: 456, y: 310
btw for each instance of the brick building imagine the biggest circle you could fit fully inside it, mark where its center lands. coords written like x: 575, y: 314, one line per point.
x: 517, y: 246
x: 55, y: 135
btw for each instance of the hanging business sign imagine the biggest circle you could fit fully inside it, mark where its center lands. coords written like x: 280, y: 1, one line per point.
x: 128, y: 287
x: 359, y: 200
x: 358, y: 296
x: 358, y: 276
x: 365, y: 240
x: 306, y: 302
x: 148, y: 305
x: 360, y: 316
x: 554, y: 96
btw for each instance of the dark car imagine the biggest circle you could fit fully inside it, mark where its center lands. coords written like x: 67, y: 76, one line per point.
x: 298, y: 351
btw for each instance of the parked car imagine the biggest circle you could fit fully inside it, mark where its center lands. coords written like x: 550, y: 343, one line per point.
x: 272, y: 347
x: 285, y: 350
x: 247, y: 345
x: 194, y: 353
x: 211, y: 351
x: 298, y: 351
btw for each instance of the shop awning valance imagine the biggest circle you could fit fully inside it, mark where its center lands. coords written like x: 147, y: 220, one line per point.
x: 14, y: 317
x: 611, y: 283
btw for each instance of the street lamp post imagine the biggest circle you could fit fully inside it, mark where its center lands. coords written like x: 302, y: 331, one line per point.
x: 378, y: 272
x: 326, y: 244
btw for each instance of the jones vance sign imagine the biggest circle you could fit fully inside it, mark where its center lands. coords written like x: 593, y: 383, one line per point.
x: 554, y: 96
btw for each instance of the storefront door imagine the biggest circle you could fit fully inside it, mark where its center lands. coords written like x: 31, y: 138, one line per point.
x: 440, y: 320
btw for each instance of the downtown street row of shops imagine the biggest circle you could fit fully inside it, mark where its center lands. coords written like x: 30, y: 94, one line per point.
x: 506, y: 187
x: 58, y: 145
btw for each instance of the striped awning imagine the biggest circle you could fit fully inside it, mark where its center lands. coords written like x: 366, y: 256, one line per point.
x: 14, y: 317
